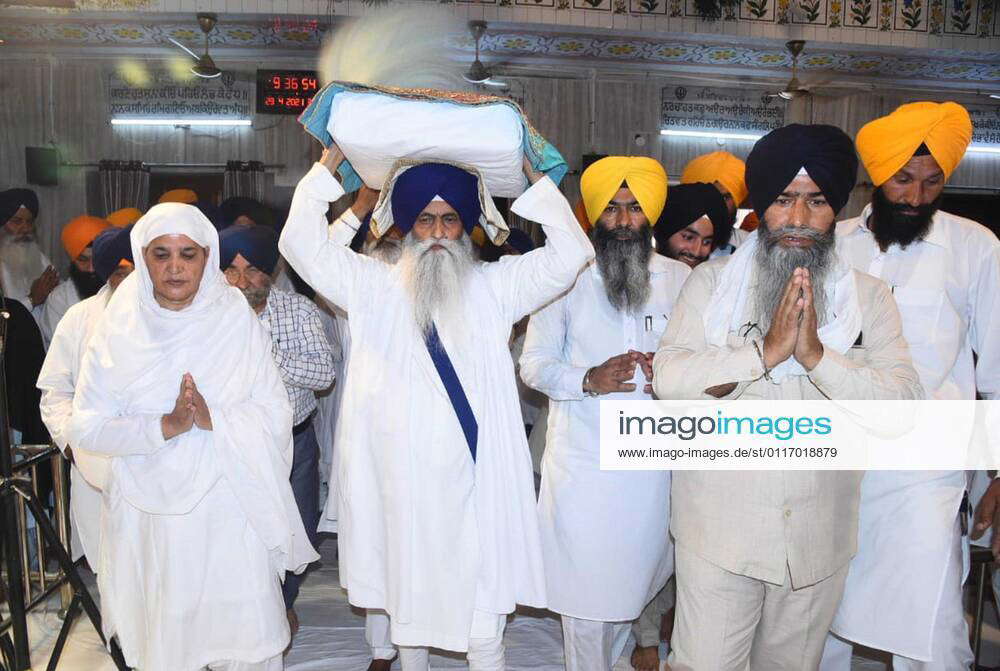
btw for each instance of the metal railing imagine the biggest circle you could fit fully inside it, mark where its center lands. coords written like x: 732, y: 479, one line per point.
x: 40, y: 576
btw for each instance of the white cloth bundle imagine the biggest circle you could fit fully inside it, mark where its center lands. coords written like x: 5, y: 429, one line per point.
x: 374, y: 130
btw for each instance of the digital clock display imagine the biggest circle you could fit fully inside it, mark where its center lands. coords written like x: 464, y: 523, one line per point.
x: 285, y: 91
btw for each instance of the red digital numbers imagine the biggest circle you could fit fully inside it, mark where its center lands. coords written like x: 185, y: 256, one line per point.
x: 284, y: 91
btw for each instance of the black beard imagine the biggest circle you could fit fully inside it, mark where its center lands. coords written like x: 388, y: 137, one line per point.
x: 87, y: 284
x: 890, y: 225
x: 624, y: 265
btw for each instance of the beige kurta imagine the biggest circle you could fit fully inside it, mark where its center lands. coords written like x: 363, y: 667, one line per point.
x: 757, y: 523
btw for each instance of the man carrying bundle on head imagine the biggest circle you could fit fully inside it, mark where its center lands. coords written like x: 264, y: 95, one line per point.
x: 439, y: 526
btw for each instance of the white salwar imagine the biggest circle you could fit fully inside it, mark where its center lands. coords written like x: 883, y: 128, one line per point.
x: 605, y: 536
x: 62, y: 298
x: 426, y: 533
x: 57, y: 380
x: 947, y: 287
x: 197, y: 531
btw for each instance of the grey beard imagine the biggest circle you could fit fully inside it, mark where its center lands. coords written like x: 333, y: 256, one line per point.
x: 383, y: 249
x: 435, y: 280
x: 774, y: 265
x: 624, y: 267
x: 256, y: 297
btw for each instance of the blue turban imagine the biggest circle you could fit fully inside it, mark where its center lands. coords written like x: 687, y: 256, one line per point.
x: 256, y: 244
x: 12, y: 199
x: 110, y: 248
x: 826, y: 152
x: 416, y: 187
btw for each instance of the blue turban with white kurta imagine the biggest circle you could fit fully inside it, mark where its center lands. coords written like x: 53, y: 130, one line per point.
x: 419, y: 185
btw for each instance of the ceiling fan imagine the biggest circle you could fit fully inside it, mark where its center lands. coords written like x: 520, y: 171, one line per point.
x: 478, y: 73
x: 204, y: 66
x: 793, y: 89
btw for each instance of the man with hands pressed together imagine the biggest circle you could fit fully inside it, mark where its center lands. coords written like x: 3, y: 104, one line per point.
x: 762, y: 555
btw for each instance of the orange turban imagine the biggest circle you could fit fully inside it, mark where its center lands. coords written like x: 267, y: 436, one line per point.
x: 125, y: 216
x: 186, y: 196
x: 888, y: 143
x: 80, y: 232
x: 645, y: 177
x: 721, y: 167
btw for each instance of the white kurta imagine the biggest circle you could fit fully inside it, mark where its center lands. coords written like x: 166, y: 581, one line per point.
x: 57, y: 380
x: 947, y: 287
x: 197, y: 531
x: 62, y: 298
x: 425, y: 533
x: 605, y: 536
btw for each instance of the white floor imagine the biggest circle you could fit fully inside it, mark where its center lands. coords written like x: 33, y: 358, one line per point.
x: 331, y: 637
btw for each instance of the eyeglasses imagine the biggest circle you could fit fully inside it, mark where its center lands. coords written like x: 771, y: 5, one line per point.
x: 234, y: 274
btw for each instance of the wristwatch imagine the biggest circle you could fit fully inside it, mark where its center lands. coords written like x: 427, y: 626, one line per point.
x: 586, y: 383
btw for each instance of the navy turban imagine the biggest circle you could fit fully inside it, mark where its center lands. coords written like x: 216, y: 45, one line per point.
x: 687, y: 203
x: 416, y: 187
x: 237, y: 206
x: 256, y: 244
x: 111, y: 247
x: 12, y: 199
x: 520, y: 241
x: 826, y: 152
x: 212, y: 213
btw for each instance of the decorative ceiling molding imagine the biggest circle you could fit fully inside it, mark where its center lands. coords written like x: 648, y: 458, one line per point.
x: 516, y: 44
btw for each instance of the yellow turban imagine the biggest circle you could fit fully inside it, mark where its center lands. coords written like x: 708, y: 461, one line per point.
x: 721, y: 167
x: 80, y: 232
x: 179, y: 196
x: 125, y: 216
x: 885, y: 145
x: 646, y: 178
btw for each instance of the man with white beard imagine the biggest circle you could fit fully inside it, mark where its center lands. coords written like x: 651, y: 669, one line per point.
x: 436, y: 519
x: 26, y: 274
x: 762, y: 555
x: 112, y: 261
x: 608, y: 529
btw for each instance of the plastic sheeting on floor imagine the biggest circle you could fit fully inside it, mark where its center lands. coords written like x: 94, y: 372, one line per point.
x: 331, y: 635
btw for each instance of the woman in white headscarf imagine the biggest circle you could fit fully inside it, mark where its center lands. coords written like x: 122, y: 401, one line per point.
x: 179, y: 390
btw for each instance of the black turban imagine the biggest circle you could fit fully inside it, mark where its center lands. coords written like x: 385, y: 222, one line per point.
x: 826, y: 152
x: 256, y: 244
x: 686, y: 203
x: 12, y: 199
x: 111, y: 247
x: 237, y: 206
x: 213, y: 213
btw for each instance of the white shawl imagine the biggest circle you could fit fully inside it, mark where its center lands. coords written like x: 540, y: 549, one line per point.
x: 133, y: 367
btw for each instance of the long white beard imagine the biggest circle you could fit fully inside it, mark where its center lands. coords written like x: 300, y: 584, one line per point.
x: 22, y: 262
x: 435, y: 279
